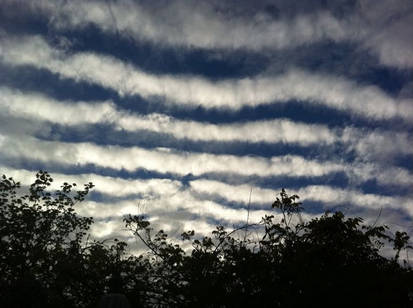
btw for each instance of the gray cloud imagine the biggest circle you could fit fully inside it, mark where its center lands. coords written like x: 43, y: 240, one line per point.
x: 384, y: 28
x: 109, y: 72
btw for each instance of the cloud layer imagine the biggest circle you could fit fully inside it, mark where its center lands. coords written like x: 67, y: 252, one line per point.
x: 186, y: 144
x: 382, y: 28
x: 106, y: 71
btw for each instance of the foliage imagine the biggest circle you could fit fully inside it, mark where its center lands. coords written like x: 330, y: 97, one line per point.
x: 48, y: 260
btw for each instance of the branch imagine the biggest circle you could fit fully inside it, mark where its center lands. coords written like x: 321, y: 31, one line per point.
x: 232, y: 232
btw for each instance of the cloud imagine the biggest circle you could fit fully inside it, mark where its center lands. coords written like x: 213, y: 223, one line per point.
x: 168, y: 205
x: 112, y: 186
x: 160, y: 160
x: 201, y: 25
x: 378, y: 33
x: 38, y: 107
x: 395, y: 210
x: 335, y: 196
x: 323, y: 194
x: 181, y: 163
x: 383, y: 28
x: 175, y: 208
x: 237, y: 193
x: 191, y: 91
x: 389, y: 30
x: 377, y: 145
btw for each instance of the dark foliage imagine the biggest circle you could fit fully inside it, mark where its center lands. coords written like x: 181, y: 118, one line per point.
x: 48, y: 260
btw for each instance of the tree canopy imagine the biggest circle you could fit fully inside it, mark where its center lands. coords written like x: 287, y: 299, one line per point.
x: 49, y: 259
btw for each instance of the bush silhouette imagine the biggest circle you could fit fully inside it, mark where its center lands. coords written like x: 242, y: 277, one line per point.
x: 49, y: 260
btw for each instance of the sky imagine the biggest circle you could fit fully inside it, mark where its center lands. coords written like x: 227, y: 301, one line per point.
x: 193, y: 112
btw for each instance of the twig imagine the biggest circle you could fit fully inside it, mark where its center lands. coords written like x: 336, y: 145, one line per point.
x: 248, y: 215
x: 378, y: 216
x: 233, y: 231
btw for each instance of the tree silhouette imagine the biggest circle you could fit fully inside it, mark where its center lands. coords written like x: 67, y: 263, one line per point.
x: 46, y: 259
x: 49, y: 260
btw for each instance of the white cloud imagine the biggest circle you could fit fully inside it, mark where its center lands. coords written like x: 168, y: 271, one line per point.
x: 174, y: 213
x: 389, y: 29
x: 37, y: 107
x: 335, y: 196
x: 154, y: 190
x: 168, y: 205
x: 334, y: 92
x: 183, y: 163
x: 370, y: 145
x: 190, y: 25
x: 387, y: 175
x: 160, y: 160
x: 180, y: 208
x: 380, y: 27
x: 237, y: 193
x: 176, y: 208
x: 377, y: 145
x: 383, y: 27
x: 270, y: 131
x: 327, y: 196
x: 112, y: 186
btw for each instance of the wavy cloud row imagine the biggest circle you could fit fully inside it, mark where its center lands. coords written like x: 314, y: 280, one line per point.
x: 377, y: 26
x: 109, y: 72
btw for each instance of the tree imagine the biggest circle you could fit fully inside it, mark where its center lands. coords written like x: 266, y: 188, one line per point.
x: 328, y: 261
x: 48, y: 259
